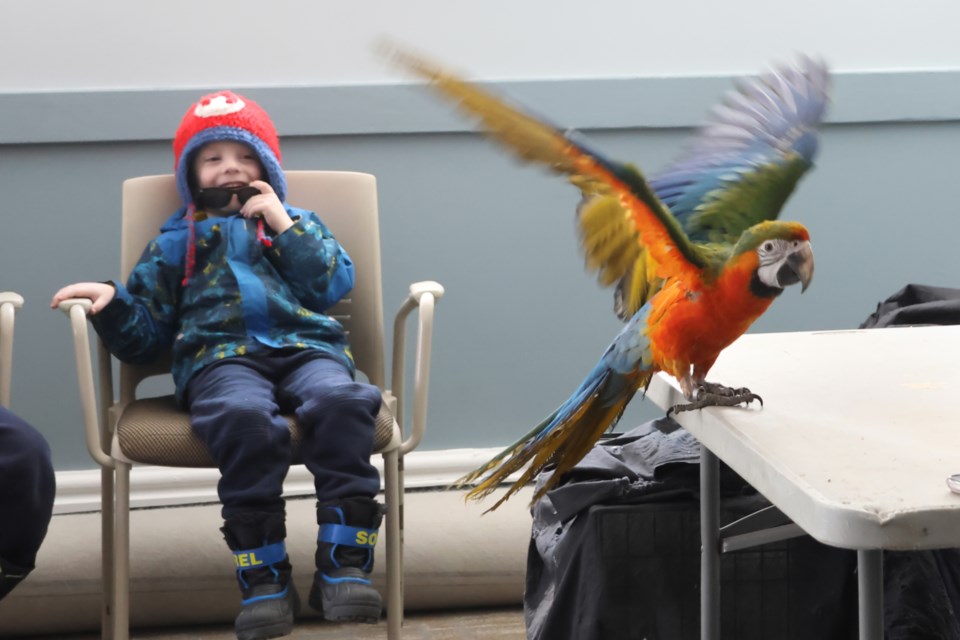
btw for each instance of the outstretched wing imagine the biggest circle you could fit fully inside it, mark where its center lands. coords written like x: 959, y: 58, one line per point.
x: 743, y: 165
x: 621, y: 220
x: 745, y: 162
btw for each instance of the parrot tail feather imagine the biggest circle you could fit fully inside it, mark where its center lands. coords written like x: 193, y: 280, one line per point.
x: 562, y: 439
x: 504, y: 464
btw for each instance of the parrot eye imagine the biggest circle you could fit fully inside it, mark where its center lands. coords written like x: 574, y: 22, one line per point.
x: 768, y: 246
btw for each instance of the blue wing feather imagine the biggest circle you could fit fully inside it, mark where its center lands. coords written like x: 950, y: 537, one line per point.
x: 768, y: 121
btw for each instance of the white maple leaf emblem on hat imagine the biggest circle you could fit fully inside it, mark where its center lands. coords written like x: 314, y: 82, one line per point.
x: 219, y: 105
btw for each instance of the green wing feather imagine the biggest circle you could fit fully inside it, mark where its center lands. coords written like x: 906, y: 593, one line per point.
x: 744, y: 163
x: 756, y: 196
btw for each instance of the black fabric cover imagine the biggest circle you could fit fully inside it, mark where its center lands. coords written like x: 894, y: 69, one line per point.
x: 922, y: 588
x: 615, y: 553
x: 916, y: 304
x: 614, y: 550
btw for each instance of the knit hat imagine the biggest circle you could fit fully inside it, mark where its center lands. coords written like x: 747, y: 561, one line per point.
x: 227, y: 116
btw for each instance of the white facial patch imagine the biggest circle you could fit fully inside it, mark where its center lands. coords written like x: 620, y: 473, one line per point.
x: 771, y: 254
x: 772, y: 251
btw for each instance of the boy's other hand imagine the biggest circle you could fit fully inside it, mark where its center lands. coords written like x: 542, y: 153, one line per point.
x: 100, y: 294
x: 268, y: 205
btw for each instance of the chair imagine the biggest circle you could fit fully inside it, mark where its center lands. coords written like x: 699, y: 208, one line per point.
x: 124, y: 430
x: 9, y: 303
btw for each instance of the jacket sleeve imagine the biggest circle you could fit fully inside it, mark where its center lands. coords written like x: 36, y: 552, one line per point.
x: 139, y: 323
x: 312, y: 263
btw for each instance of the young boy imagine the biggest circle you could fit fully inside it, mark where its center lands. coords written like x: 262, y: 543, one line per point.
x: 237, y: 285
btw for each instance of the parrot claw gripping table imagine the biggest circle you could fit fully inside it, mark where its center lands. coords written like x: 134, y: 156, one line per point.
x: 857, y: 436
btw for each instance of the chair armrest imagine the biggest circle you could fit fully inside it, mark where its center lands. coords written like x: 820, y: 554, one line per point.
x: 97, y: 439
x: 423, y: 296
x: 13, y: 298
x: 9, y: 303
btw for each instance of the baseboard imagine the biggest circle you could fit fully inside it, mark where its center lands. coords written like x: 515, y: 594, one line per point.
x: 456, y: 556
x: 79, y: 491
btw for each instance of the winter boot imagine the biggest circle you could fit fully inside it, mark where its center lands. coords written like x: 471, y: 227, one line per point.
x: 10, y: 576
x: 341, y: 587
x: 270, y: 599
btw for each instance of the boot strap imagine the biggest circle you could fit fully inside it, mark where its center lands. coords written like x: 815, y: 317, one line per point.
x: 260, y: 557
x: 348, y: 536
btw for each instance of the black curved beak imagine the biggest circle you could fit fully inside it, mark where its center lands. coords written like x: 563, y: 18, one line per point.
x: 798, y: 267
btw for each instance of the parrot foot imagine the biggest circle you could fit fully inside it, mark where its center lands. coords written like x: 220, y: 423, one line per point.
x: 717, y: 395
x: 712, y: 388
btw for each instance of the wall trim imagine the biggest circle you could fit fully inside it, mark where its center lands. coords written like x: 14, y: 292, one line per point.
x: 79, y: 491
x: 405, y: 108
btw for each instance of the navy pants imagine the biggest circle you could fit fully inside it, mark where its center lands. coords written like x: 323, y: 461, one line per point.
x: 235, y: 407
x: 27, y: 487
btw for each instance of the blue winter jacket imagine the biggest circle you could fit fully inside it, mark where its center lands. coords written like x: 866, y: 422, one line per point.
x: 242, y: 298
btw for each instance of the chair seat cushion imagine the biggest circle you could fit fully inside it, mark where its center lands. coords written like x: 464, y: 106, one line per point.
x: 157, y: 431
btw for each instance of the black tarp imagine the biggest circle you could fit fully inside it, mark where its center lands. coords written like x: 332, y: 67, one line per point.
x: 916, y: 305
x: 614, y: 549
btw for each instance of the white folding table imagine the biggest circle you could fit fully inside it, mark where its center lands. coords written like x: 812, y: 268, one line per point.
x: 857, y: 435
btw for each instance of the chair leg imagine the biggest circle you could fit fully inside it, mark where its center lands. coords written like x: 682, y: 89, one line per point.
x: 106, y: 553
x: 121, y: 554
x: 393, y: 496
x: 401, y: 497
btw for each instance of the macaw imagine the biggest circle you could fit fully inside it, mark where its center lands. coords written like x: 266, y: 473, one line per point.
x: 697, y: 253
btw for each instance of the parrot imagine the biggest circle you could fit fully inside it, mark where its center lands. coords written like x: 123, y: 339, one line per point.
x: 695, y: 254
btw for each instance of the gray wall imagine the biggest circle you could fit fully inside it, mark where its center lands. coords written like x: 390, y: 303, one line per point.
x: 521, y: 322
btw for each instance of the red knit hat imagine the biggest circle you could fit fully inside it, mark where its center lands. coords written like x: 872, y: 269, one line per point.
x: 224, y: 115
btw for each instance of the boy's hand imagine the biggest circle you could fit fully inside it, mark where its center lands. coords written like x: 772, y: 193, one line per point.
x: 100, y: 294
x: 268, y: 205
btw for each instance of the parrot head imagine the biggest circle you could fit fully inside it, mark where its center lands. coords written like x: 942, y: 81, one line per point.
x: 783, y: 255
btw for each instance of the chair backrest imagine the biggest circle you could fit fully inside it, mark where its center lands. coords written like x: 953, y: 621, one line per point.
x: 345, y: 201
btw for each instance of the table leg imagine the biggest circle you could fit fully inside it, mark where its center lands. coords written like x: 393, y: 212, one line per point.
x: 870, y: 577
x: 710, y: 545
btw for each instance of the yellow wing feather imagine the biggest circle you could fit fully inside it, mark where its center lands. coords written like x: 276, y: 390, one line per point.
x: 608, y: 238
x: 627, y: 235
x: 624, y: 210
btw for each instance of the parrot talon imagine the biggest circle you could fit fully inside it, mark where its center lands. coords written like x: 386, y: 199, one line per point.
x: 712, y: 388
x: 706, y: 398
